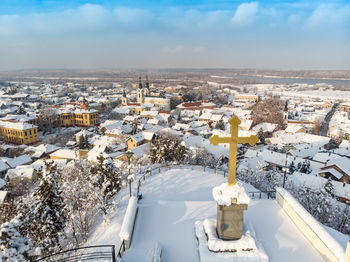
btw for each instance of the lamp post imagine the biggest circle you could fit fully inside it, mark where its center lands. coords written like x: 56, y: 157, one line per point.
x: 129, y: 155
x: 285, y: 169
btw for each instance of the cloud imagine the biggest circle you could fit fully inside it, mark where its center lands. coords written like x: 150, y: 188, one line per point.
x: 245, y: 13
x: 199, y: 49
x: 174, y: 50
x: 328, y: 14
x: 131, y: 15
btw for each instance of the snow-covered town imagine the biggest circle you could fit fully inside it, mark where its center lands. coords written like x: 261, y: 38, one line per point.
x: 72, y: 155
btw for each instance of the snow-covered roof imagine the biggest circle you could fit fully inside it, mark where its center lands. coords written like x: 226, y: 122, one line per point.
x: 2, y: 183
x: 298, y: 138
x: 21, y: 172
x: 317, y: 182
x: 46, y: 148
x: 85, y: 111
x: 3, y: 166
x: 141, y: 150
x: 294, y: 128
x: 279, y: 159
x: 266, y: 127
x: 17, y: 125
x: 17, y: 161
x: 3, y: 195
x: 342, y: 162
x: 149, y: 113
x: 65, y: 154
x: 324, y: 157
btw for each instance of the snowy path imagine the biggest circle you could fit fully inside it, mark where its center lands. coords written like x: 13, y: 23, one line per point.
x: 176, y: 198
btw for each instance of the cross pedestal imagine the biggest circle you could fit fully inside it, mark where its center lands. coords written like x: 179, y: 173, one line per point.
x: 230, y: 212
x: 229, y: 222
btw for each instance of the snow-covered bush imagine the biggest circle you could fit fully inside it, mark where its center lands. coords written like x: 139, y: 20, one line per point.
x: 200, y: 156
x: 166, y: 148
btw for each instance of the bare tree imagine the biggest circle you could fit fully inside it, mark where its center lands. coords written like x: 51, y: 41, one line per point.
x: 48, y: 118
x: 316, y: 127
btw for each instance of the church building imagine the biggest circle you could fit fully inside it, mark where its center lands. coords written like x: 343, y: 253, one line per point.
x: 144, y: 97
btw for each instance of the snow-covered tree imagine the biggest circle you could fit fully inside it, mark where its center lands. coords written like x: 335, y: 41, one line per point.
x: 292, y: 167
x: 200, y: 156
x: 83, y: 142
x: 13, y: 245
x: 46, y: 219
x: 329, y: 188
x: 220, y: 125
x: 166, y: 148
x: 261, y: 136
x: 107, y: 179
x: 82, y: 200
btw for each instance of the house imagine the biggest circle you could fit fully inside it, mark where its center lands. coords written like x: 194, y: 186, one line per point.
x: 23, y: 173
x: 341, y: 191
x: 142, y: 137
x: 337, y: 169
x: 137, y: 152
x: 65, y: 154
x: 295, y: 129
x: 44, y: 150
x: 265, y: 127
x: 196, y: 106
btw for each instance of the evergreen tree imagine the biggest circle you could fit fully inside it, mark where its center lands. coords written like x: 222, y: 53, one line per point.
x: 292, y: 167
x: 220, y: 125
x: 107, y: 179
x: 20, y: 110
x: 329, y: 188
x: 47, y: 217
x: 86, y: 143
x: 261, y: 136
x: 81, y: 142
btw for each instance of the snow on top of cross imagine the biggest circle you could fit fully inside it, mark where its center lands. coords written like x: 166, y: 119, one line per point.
x: 224, y: 194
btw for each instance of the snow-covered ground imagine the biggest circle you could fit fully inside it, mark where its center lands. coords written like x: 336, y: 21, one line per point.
x: 174, y: 199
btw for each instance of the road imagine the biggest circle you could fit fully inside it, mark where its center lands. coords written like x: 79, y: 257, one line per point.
x: 325, y: 123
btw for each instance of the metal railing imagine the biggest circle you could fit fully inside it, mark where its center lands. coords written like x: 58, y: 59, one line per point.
x: 90, y: 253
x: 122, y: 249
x: 270, y: 194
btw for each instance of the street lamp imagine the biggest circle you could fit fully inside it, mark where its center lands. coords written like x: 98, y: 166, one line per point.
x: 129, y: 154
x: 285, y: 169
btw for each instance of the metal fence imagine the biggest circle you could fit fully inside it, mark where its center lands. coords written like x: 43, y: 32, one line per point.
x: 103, y: 253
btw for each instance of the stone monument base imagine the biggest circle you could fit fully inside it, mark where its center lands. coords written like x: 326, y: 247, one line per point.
x: 213, y: 249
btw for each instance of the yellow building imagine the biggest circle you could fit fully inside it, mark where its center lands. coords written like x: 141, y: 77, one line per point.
x: 84, y: 117
x: 79, y: 117
x: 67, y: 119
x: 19, y: 133
x: 247, y: 97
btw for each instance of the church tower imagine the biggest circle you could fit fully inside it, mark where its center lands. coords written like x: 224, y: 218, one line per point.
x: 146, y: 91
x: 124, y: 99
x: 140, y: 92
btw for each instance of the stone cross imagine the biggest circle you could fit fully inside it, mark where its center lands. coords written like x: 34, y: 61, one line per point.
x: 233, y: 140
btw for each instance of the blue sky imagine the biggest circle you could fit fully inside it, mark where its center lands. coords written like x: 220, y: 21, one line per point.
x: 158, y: 34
